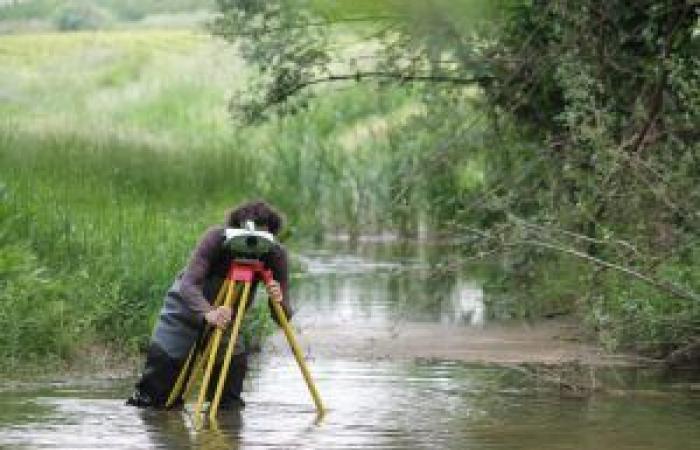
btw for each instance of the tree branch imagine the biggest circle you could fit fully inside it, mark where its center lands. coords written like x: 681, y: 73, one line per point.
x: 660, y: 285
x: 657, y: 98
x: 577, y: 236
x: 402, y: 77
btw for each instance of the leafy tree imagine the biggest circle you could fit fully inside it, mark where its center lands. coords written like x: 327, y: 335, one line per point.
x: 585, y: 130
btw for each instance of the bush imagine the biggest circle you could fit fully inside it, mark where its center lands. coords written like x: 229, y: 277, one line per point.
x: 81, y: 16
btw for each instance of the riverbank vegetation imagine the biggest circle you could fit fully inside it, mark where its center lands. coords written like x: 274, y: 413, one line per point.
x: 561, y: 139
x: 117, y: 152
x: 583, y: 135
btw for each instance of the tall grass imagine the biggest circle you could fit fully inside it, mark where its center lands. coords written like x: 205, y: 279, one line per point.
x: 117, y: 152
x: 117, y: 221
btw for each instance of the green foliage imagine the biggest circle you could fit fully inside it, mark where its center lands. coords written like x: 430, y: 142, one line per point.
x: 93, y: 14
x: 643, y: 318
x: 258, y: 324
x: 26, y: 10
x: 80, y: 16
x: 596, y: 87
x: 133, y: 158
x: 576, y: 132
x: 529, y: 126
x: 35, y: 311
x: 531, y: 286
x: 297, y: 49
x: 134, y: 10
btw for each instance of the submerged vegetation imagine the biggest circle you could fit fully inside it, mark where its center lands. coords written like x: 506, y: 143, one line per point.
x: 563, y: 141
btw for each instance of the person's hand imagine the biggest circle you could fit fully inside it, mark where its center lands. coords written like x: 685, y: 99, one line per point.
x: 274, y: 291
x: 218, y: 317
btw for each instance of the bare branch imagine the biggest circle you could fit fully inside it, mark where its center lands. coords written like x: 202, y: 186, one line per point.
x: 577, y: 236
x: 401, y: 77
x: 659, y: 284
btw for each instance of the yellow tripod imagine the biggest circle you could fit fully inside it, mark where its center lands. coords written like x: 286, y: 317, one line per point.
x: 200, y: 364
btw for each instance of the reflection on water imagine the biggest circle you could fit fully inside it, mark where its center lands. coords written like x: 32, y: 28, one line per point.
x: 387, y: 284
x: 372, y: 404
x: 467, y: 301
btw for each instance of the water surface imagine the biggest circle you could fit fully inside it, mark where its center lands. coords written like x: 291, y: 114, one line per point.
x: 383, y: 403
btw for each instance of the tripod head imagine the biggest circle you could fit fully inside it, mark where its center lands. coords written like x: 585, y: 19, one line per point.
x: 248, y: 242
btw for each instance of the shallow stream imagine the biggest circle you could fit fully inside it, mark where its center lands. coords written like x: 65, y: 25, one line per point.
x: 374, y: 399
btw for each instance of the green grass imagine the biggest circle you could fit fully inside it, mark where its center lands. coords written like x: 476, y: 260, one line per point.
x: 50, y: 11
x: 117, y: 152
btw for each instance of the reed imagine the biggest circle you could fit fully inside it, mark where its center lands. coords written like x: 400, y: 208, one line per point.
x: 117, y: 152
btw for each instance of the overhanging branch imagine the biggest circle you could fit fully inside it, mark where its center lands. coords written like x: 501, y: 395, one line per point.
x: 658, y: 284
x: 401, y: 77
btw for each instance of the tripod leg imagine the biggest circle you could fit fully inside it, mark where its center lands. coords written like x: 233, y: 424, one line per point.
x: 192, y: 356
x: 177, y: 388
x: 214, y: 344
x: 198, y: 368
x: 213, y: 408
x: 284, y: 323
x: 203, y: 357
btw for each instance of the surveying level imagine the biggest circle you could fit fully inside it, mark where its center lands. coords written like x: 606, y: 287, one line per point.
x: 248, y: 245
x: 248, y: 242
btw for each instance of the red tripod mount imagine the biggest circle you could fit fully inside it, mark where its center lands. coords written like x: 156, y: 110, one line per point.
x: 246, y: 269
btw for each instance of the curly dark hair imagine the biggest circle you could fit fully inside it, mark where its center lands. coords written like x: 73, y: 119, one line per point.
x: 259, y: 211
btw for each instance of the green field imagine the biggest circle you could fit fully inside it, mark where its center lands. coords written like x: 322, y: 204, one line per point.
x: 21, y: 16
x: 117, y: 151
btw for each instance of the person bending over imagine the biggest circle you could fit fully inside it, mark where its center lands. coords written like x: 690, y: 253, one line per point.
x: 187, y: 308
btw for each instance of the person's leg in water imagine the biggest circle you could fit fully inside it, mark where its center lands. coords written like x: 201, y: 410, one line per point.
x: 231, y: 394
x: 176, y: 331
x: 159, y: 375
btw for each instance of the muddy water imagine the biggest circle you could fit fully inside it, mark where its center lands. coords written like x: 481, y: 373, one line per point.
x: 352, y: 302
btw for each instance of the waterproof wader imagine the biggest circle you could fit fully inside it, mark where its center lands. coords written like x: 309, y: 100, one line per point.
x: 177, y: 330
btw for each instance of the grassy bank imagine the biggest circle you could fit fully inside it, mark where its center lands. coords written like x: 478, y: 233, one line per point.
x: 117, y: 152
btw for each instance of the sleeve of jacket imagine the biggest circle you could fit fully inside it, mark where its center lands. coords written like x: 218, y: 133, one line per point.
x: 192, y: 280
x: 280, y: 272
